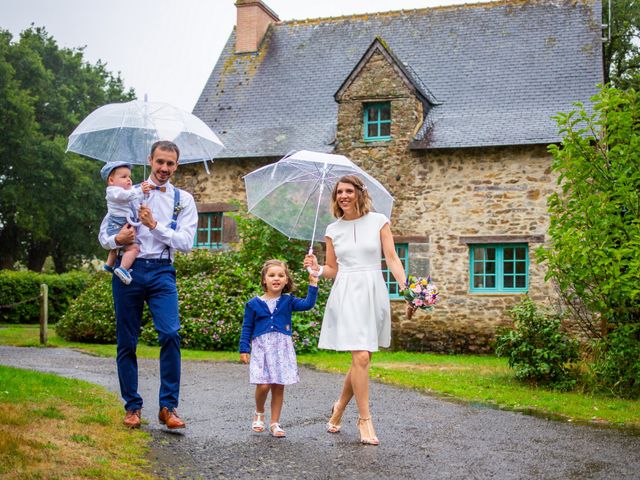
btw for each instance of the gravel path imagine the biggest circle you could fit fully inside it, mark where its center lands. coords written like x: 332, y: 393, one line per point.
x: 422, y: 437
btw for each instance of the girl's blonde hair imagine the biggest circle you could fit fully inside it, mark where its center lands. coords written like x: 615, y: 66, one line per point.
x: 363, y: 200
x: 289, y: 287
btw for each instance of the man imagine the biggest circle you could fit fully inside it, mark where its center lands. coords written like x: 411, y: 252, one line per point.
x: 168, y: 223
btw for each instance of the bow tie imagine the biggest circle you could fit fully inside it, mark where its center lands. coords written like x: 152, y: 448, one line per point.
x: 155, y: 187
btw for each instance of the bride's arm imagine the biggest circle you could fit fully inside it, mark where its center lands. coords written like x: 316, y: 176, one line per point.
x: 393, y: 261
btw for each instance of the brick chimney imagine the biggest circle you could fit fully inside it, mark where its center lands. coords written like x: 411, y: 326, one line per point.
x: 253, y: 19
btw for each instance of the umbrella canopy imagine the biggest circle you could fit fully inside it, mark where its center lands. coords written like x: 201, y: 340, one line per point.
x: 126, y: 131
x: 293, y: 195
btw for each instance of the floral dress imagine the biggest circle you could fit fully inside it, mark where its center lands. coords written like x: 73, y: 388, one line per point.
x: 273, y: 357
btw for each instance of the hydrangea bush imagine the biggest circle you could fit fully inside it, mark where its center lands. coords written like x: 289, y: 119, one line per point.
x: 213, y: 288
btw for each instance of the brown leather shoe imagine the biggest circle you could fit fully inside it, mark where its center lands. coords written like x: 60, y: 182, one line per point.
x: 132, y: 418
x: 170, y: 418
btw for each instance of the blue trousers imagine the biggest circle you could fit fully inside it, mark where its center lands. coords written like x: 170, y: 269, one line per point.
x: 154, y: 282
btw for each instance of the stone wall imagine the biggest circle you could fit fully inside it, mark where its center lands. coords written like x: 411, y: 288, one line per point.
x: 447, y: 195
x: 223, y: 184
x: 441, y: 196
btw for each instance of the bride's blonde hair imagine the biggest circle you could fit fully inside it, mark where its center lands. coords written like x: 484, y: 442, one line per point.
x: 363, y: 200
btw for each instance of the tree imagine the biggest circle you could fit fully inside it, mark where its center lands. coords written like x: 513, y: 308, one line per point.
x: 621, y: 53
x: 595, y: 220
x: 51, y: 203
x: 19, y: 129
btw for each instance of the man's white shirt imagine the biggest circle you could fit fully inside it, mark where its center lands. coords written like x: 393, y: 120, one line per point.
x: 154, y: 242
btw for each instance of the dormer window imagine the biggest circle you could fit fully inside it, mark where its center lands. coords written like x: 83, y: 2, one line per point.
x: 377, y: 121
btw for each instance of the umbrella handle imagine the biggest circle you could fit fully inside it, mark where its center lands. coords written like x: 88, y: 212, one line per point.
x: 132, y: 223
x: 309, y: 269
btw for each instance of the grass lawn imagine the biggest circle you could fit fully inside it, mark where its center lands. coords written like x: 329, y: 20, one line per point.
x: 471, y: 378
x: 54, y: 427
x: 485, y: 380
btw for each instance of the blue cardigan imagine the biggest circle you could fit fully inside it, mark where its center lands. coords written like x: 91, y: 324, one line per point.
x: 258, y: 320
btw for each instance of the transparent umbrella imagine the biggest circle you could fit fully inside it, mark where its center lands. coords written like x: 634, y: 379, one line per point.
x: 293, y: 195
x: 126, y: 131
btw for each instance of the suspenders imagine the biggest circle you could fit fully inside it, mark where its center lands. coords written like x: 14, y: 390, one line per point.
x: 176, y: 209
x: 174, y: 219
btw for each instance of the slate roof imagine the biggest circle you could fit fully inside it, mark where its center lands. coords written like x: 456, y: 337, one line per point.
x: 499, y: 70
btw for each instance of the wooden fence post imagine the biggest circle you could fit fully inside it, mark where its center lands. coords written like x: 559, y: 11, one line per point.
x: 44, y: 312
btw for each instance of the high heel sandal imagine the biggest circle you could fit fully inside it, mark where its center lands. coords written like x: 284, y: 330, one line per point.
x: 258, y: 423
x: 367, y: 433
x: 336, y: 415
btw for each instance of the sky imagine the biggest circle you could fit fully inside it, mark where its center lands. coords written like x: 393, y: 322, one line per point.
x: 164, y: 48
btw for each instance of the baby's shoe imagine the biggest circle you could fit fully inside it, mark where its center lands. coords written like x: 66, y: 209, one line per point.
x: 123, y: 275
x: 107, y: 268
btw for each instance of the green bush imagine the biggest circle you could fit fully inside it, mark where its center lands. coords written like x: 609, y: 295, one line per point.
x: 20, y: 294
x: 260, y: 242
x: 616, y: 367
x: 212, y: 303
x: 594, y: 253
x: 213, y: 288
x: 91, y: 317
x: 195, y: 262
x: 537, y: 349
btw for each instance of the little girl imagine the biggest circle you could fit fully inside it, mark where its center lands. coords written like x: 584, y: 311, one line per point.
x: 267, y: 325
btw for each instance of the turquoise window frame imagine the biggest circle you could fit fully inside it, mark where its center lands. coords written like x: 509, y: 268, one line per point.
x: 377, y: 122
x: 402, y: 249
x: 498, y: 269
x: 210, y: 229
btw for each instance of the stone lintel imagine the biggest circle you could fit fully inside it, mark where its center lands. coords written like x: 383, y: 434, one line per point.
x: 216, y: 207
x: 502, y: 239
x: 376, y: 98
x: 411, y: 238
x: 501, y: 294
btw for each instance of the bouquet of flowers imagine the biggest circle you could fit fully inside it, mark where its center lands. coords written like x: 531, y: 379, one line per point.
x: 420, y: 293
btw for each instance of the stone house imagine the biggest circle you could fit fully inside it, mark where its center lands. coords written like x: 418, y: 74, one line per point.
x: 450, y: 108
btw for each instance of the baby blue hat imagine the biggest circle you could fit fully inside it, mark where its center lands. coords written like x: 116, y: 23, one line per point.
x: 108, y: 168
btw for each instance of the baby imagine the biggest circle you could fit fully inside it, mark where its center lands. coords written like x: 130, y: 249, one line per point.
x: 123, y: 202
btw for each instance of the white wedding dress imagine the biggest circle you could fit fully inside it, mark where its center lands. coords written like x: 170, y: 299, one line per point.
x: 358, y: 313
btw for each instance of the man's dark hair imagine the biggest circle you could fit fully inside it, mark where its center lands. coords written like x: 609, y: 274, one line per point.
x: 165, y: 145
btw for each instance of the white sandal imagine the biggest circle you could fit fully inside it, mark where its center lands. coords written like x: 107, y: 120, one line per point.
x: 276, y: 430
x: 258, y: 424
x: 336, y: 415
x: 367, y: 433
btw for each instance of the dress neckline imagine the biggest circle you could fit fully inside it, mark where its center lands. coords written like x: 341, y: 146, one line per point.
x: 353, y: 220
x: 265, y: 300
